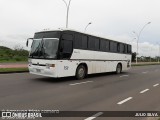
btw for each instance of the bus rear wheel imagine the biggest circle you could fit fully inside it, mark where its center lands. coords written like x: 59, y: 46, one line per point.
x: 119, y: 69
x: 81, y: 72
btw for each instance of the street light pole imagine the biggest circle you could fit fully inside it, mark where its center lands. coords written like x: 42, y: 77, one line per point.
x: 87, y: 26
x: 159, y: 53
x: 137, y: 45
x: 138, y: 37
x: 67, y: 6
x: 150, y: 55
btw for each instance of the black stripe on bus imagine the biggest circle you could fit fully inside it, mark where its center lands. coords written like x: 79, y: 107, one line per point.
x: 95, y: 60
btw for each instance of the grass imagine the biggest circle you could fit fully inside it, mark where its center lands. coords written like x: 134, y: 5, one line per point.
x: 145, y: 64
x: 13, y: 61
x: 6, y: 70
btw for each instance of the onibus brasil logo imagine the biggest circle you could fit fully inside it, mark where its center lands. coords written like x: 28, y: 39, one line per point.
x: 21, y: 114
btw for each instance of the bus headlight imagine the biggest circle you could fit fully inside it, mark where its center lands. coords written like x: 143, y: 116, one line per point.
x: 50, y: 65
x: 29, y: 62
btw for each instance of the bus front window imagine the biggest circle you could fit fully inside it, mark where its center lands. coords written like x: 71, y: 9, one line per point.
x: 35, y: 49
x: 44, y: 48
x: 50, y: 48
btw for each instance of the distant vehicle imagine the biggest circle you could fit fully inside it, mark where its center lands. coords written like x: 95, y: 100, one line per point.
x: 62, y: 53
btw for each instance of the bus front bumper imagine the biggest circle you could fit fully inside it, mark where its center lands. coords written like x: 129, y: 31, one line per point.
x: 43, y: 71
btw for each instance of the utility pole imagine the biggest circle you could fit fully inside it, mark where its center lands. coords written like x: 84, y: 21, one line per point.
x: 138, y: 37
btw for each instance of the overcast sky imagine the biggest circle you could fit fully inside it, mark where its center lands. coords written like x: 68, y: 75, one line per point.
x: 117, y: 19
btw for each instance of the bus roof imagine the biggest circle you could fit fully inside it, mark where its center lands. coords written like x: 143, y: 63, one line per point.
x: 66, y: 29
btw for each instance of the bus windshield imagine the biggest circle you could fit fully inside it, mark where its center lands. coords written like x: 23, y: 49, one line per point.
x: 44, y: 48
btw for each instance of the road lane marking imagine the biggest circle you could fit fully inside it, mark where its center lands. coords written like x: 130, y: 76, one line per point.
x: 125, y: 100
x: 94, y: 116
x: 145, y: 72
x: 81, y: 83
x: 143, y: 91
x: 124, y: 76
x: 155, y: 85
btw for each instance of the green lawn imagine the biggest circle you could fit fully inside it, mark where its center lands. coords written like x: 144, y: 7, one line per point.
x: 145, y: 64
x: 13, y: 61
x: 7, y: 59
x: 5, y: 70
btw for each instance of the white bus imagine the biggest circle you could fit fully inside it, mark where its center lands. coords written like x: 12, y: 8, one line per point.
x: 62, y: 53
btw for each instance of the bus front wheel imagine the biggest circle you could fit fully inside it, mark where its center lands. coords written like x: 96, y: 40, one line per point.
x: 81, y: 72
x: 119, y: 68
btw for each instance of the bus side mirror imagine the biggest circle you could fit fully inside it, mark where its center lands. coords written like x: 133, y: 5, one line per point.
x: 28, y: 41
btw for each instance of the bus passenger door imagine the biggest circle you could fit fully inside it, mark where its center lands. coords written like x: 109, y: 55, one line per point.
x: 66, y: 49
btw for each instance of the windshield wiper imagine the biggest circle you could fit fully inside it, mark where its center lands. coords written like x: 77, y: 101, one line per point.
x: 36, y: 50
x: 44, y: 53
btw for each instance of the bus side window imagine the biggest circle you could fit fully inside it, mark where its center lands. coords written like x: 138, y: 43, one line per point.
x: 78, y: 41
x: 84, y: 42
x: 96, y: 44
x: 125, y: 48
x: 102, y: 45
x: 107, y: 46
x: 66, y: 46
x: 67, y: 37
x: 91, y: 43
x: 118, y: 47
x: 113, y: 46
x: 122, y: 48
x: 128, y: 49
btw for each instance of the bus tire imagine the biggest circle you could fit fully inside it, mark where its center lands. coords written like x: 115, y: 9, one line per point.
x: 119, y: 68
x: 81, y: 72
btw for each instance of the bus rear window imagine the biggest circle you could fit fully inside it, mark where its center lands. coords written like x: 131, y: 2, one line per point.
x: 129, y: 49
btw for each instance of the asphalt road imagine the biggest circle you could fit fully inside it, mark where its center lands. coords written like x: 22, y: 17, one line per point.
x: 135, y: 90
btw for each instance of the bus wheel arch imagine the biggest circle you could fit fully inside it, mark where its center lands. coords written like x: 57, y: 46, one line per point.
x: 81, y: 71
x: 119, y: 68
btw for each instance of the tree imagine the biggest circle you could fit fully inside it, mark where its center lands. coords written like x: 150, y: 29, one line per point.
x: 134, y: 57
x: 18, y: 47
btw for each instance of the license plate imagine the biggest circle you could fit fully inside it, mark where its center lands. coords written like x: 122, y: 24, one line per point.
x: 38, y: 70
